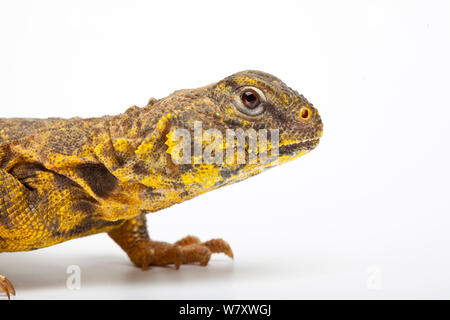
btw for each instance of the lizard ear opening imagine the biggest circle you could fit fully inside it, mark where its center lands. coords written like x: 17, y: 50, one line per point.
x: 305, y: 113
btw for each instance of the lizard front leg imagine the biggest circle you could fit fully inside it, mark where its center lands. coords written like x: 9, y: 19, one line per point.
x: 133, y: 238
x: 13, y: 201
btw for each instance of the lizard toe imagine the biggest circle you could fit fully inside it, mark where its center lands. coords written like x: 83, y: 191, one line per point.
x: 188, y: 240
x: 163, y: 256
x: 196, y: 253
x: 219, y: 246
x: 189, y: 250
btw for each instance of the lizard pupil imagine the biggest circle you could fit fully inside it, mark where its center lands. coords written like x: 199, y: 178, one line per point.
x: 250, y: 99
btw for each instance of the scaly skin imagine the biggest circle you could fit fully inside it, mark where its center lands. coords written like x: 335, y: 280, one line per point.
x: 62, y: 179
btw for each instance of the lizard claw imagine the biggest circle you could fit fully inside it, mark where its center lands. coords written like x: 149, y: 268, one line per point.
x: 7, y: 287
x: 219, y: 246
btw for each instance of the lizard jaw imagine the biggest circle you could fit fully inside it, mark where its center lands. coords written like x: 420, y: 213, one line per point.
x: 293, y: 148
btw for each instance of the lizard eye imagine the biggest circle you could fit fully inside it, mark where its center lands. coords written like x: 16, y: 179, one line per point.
x: 250, y: 101
x: 250, y: 98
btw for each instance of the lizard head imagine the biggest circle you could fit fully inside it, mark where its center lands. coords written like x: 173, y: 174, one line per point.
x: 228, y: 131
x: 254, y: 99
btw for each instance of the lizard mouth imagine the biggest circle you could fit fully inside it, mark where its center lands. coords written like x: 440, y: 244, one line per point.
x: 292, y: 149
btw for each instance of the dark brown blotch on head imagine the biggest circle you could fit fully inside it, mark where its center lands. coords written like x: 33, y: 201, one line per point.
x: 99, y: 179
x: 276, y: 113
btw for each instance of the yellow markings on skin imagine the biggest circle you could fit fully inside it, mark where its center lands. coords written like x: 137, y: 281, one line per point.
x: 320, y: 133
x: 66, y: 165
x: 145, y: 148
x: 113, y: 211
x: 57, y: 211
x: 221, y: 86
x: 123, y: 145
x: 102, y: 145
x: 247, y: 80
x: 205, y: 175
x: 173, y: 145
x: 133, y: 132
x: 161, y: 125
x: 99, y: 149
x: 288, y: 142
x: 144, y: 151
x: 153, y: 180
x: 123, y: 174
x: 57, y: 160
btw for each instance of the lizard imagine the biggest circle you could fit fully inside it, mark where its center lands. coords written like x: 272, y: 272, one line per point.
x: 62, y: 179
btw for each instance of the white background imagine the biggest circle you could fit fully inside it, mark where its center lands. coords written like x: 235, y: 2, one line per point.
x: 366, y: 215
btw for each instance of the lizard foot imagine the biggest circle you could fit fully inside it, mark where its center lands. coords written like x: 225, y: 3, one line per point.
x: 185, y: 251
x: 7, y: 287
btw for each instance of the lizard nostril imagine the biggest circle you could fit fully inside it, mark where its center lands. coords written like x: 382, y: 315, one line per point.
x: 305, y: 113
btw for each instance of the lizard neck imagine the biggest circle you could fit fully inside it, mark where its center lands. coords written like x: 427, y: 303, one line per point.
x: 116, y: 138
x: 137, y: 140
x: 134, y: 124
